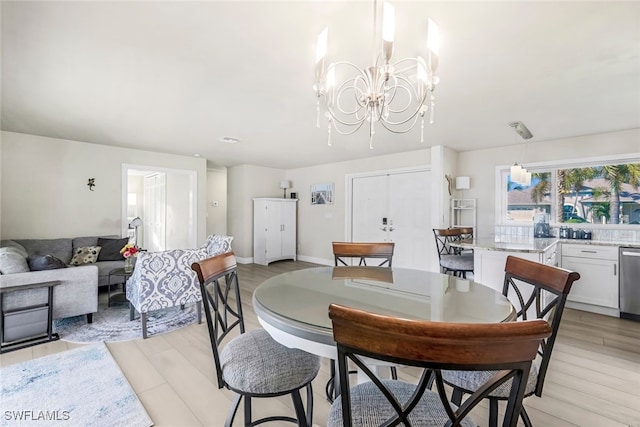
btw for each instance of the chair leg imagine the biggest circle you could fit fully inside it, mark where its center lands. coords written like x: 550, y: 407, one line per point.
x: 233, y: 410
x: 456, y: 397
x: 493, y: 412
x: 309, y: 405
x: 330, y: 387
x: 394, y: 373
x: 525, y: 417
x: 143, y: 319
x: 247, y: 411
x: 199, y: 308
x: 299, y: 408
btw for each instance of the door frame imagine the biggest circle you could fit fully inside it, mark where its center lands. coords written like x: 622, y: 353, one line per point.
x: 349, y: 187
x: 193, y: 189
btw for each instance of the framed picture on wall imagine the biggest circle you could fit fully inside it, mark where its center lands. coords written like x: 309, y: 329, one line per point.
x: 322, y: 194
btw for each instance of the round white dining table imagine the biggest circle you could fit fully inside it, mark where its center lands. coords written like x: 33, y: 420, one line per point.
x: 293, y: 307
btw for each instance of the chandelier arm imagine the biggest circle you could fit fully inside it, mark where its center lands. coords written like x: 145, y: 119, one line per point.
x: 413, y: 120
x: 351, y: 132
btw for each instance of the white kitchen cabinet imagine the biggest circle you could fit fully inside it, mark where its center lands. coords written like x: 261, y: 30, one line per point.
x: 489, y: 262
x: 274, y: 230
x: 597, y: 289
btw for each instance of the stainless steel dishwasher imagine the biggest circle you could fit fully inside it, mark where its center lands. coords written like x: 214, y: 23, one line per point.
x: 630, y: 283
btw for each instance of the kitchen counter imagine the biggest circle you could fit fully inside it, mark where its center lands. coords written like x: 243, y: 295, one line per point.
x: 510, y: 245
x: 536, y: 246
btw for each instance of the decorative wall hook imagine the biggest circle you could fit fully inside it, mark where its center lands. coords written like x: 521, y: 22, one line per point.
x: 450, y: 186
x: 91, y: 183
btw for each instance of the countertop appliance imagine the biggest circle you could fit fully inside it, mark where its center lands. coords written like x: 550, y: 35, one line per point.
x: 629, y: 283
x: 541, y: 225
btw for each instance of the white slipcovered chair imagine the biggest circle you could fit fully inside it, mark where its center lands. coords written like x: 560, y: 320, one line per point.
x: 165, y: 279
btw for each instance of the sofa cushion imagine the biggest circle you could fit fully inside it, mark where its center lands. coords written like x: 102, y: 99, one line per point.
x: 111, y: 249
x: 85, y: 255
x: 81, y: 242
x: 59, y: 248
x: 45, y: 262
x: 12, y: 261
x: 17, y: 246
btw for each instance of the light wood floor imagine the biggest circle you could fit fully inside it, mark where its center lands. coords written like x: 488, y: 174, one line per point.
x: 594, y: 377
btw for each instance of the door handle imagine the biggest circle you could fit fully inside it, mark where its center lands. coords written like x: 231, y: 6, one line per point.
x: 625, y: 253
x: 383, y: 228
x: 391, y: 228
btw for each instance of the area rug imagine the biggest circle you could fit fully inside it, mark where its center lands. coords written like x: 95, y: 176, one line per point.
x: 79, y: 387
x: 111, y: 324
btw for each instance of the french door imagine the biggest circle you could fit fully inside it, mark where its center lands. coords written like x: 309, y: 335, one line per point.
x: 394, y: 207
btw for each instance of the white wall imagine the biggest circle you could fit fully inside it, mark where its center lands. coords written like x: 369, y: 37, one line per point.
x: 217, y: 192
x: 480, y: 165
x: 318, y: 225
x: 45, y: 193
x: 245, y: 182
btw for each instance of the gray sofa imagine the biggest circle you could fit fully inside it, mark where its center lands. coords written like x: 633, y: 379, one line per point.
x: 78, y: 292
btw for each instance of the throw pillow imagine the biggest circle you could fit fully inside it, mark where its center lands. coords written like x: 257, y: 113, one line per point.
x: 45, y: 262
x: 12, y: 261
x: 86, y: 255
x: 217, y: 244
x: 111, y: 249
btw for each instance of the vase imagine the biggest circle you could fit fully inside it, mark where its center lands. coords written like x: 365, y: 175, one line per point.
x: 128, y: 265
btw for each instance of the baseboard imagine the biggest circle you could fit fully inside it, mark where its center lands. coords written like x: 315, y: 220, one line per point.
x: 240, y: 260
x: 593, y: 308
x: 314, y: 260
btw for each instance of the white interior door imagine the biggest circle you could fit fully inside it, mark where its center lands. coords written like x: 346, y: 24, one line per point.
x: 394, y: 207
x: 410, y: 219
x: 370, y: 204
x: 154, y: 222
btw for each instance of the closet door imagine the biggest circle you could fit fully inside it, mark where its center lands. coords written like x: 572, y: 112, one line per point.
x: 394, y: 207
x: 154, y: 223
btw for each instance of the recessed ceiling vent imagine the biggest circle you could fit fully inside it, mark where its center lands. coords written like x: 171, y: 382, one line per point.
x: 229, y: 140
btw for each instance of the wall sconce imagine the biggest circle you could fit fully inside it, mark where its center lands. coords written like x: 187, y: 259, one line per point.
x: 91, y: 183
x: 463, y: 183
x: 283, y: 186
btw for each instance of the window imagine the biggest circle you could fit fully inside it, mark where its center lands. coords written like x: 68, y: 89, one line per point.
x: 602, y: 192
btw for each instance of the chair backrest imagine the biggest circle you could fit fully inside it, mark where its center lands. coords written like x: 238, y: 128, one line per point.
x: 361, y: 250
x: 507, y: 347
x: 218, y: 277
x: 445, y: 236
x: 466, y: 233
x: 548, y: 287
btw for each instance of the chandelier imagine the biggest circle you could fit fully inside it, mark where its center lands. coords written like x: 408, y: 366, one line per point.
x: 519, y: 173
x: 394, y: 95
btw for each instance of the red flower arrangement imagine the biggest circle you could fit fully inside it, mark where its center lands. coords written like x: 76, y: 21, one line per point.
x: 129, y: 250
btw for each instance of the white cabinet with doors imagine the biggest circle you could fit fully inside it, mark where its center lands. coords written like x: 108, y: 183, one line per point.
x: 274, y: 230
x: 597, y: 289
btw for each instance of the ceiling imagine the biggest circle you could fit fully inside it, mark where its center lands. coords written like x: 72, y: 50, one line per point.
x: 175, y: 77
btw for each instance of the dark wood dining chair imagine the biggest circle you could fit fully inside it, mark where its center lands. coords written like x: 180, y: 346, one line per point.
x: 541, y: 292
x: 252, y: 364
x: 451, y: 259
x: 342, y: 252
x: 508, y: 348
x: 362, y: 251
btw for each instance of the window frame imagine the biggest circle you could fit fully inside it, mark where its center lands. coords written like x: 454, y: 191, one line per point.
x: 503, y: 171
